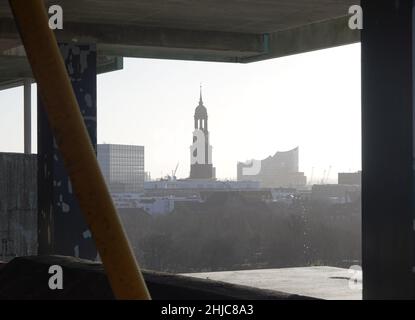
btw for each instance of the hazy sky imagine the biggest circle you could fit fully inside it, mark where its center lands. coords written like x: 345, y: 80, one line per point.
x: 309, y: 100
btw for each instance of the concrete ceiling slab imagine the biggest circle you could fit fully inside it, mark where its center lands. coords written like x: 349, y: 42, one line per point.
x: 206, y: 30
x: 247, y: 16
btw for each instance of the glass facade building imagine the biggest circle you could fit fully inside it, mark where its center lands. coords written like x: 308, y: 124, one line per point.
x: 122, y: 167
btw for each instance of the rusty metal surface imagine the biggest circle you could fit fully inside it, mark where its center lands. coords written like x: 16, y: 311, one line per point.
x: 62, y: 227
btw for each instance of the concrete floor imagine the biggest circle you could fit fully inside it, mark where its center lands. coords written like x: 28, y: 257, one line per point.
x: 319, y: 282
x: 26, y: 278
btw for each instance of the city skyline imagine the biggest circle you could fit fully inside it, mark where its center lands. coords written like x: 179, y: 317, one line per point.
x: 254, y: 110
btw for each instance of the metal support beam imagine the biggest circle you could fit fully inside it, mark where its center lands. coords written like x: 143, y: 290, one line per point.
x: 388, y: 126
x: 27, y: 89
x: 61, y: 225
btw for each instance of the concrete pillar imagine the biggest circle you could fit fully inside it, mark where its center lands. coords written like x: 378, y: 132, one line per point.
x: 27, y: 123
x: 388, y: 150
x: 61, y: 226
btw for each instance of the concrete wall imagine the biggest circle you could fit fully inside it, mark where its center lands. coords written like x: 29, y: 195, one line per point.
x: 18, y: 205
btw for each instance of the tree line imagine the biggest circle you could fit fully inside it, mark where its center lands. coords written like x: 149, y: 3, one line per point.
x: 230, y: 231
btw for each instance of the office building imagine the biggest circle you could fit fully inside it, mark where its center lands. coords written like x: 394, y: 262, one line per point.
x: 122, y: 167
x: 350, y: 178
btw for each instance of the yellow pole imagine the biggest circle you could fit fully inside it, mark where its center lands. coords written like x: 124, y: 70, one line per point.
x: 77, y: 152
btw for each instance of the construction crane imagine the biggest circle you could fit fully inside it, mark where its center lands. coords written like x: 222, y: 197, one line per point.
x: 324, y: 175
x: 174, y: 171
x: 328, y: 174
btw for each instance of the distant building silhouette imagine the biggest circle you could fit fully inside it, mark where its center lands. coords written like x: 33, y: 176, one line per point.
x: 335, y: 193
x: 350, y: 178
x: 280, y: 170
x: 122, y: 167
x: 200, y: 151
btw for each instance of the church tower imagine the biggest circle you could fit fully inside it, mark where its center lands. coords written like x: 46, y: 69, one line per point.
x: 201, y: 151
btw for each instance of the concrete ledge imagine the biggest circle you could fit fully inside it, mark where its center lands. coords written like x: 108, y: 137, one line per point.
x: 310, y: 37
x: 27, y: 278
